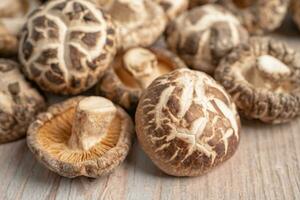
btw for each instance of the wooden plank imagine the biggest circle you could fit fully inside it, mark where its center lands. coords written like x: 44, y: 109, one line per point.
x: 267, y: 166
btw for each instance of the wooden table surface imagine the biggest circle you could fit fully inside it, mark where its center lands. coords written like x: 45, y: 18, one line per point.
x: 266, y: 166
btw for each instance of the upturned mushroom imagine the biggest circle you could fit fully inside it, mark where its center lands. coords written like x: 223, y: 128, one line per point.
x: 259, y: 16
x: 263, y: 79
x: 132, y: 72
x: 13, y: 14
x: 187, y: 123
x: 19, y: 102
x: 139, y: 22
x: 173, y: 8
x: 66, y: 46
x: 295, y: 7
x: 83, y: 136
x: 203, y: 35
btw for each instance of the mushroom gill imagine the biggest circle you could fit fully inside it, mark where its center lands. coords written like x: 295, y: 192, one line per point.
x: 54, y: 136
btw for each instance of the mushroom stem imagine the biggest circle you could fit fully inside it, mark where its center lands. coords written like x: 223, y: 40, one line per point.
x: 93, y: 116
x: 142, y: 64
x: 272, y: 68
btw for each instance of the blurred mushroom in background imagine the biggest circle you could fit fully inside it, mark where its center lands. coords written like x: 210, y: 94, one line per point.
x: 13, y: 15
x: 139, y: 22
x: 173, y: 8
x: 259, y: 16
x: 295, y: 8
x: 20, y: 102
x: 203, y: 35
x: 195, y: 3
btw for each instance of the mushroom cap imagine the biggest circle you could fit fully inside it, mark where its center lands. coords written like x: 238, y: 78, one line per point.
x: 66, y: 45
x: 19, y: 102
x: 295, y: 7
x: 124, y: 86
x: 263, y: 78
x: 49, y: 135
x: 13, y: 15
x: 259, y: 16
x: 140, y: 22
x: 173, y: 8
x: 187, y: 123
x: 209, y: 33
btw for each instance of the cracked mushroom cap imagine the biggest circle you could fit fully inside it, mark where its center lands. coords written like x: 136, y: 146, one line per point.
x: 83, y: 136
x: 187, y: 123
x: 203, y: 35
x: 140, y: 22
x: 263, y: 78
x: 133, y: 71
x: 13, y: 14
x: 19, y: 102
x: 259, y: 16
x: 173, y: 8
x: 194, y: 3
x: 66, y: 46
x: 295, y: 7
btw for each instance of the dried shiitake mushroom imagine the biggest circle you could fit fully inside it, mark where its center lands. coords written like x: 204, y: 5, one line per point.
x: 202, y: 36
x: 66, y: 45
x: 263, y: 78
x: 173, y: 8
x: 140, y: 22
x: 83, y: 136
x: 295, y: 6
x: 133, y: 71
x: 13, y: 15
x: 258, y: 16
x: 187, y: 123
x: 194, y: 3
x: 19, y: 102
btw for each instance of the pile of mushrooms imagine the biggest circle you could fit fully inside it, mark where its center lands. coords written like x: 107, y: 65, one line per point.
x: 145, y: 67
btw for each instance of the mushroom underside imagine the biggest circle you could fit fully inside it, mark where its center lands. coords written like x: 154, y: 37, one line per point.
x: 54, y: 136
x: 257, y: 79
x: 163, y: 67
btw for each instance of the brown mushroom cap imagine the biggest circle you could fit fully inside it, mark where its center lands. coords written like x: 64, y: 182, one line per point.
x: 263, y: 78
x: 203, y: 35
x: 140, y: 22
x: 66, y: 46
x: 13, y: 15
x: 132, y: 71
x: 187, y: 123
x: 83, y: 136
x: 19, y: 102
x: 259, y: 16
x: 295, y: 7
x: 173, y: 8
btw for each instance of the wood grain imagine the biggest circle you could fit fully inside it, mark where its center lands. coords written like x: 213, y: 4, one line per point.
x: 266, y: 166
